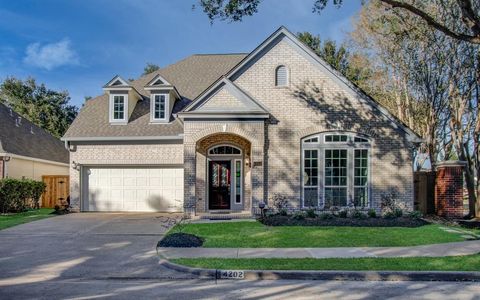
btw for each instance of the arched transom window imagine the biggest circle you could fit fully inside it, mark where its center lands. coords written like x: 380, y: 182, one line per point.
x: 335, y: 168
x: 224, y: 150
x: 281, y: 76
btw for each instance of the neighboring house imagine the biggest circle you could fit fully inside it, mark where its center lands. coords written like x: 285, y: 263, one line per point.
x: 225, y: 132
x: 28, y: 151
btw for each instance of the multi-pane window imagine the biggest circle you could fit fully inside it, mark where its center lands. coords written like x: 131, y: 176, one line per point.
x: 238, y: 181
x: 159, y: 107
x: 311, y: 140
x: 335, y: 177
x: 310, y: 177
x: 118, y: 107
x: 224, y: 150
x: 360, y: 193
x: 336, y: 138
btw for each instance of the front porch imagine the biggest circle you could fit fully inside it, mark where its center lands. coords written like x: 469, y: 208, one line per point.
x: 226, y: 182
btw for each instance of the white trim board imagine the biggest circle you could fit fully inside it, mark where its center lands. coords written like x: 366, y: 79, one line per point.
x: 34, y: 159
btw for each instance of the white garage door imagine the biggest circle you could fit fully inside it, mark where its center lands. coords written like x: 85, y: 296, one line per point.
x: 134, y: 189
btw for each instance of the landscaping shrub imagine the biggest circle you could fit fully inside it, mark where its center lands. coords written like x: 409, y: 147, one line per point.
x: 326, y: 216
x: 280, y: 202
x: 415, y: 214
x: 19, y: 195
x: 372, y: 213
x: 327, y: 219
x: 181, y: 239
x: 343, y: 213
x: 356, y: 214
x: 298, y: 215
x: 311, y: 213
x: 390, y: 205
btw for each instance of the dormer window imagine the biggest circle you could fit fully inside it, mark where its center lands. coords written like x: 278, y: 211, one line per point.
x: 159, y: 107
x: 281, y: 76
x: 118, y: 108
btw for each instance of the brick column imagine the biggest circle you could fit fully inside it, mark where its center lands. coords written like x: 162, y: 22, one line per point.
x: 449, y: 189
x: 190, y: 170
x: 2, y: 168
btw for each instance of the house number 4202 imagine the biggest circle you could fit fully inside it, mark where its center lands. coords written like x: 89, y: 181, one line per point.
x: 231, y: 274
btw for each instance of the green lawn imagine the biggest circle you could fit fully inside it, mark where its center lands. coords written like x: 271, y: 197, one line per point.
x: 450, y: 263
x: 25, y: 217
x: 256, y: 235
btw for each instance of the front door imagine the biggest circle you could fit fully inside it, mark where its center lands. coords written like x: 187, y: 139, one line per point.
x: 219, y: 184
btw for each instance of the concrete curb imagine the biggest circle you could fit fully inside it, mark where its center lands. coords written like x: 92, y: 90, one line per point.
x: 330, y: 275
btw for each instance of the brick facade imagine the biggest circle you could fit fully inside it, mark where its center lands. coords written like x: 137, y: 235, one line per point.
x: 449, y: 189
x: 314, y: 103
x: 2, y: 168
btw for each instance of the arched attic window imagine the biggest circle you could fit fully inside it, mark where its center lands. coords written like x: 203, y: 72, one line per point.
x: 281, y: 76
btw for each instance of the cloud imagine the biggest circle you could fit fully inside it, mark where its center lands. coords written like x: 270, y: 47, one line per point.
x: 50, y: 56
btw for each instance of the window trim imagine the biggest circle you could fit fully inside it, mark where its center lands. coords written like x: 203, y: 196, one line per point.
x: 152, y: 108
x: 324, y: 185
x: 350, y: 146
x: 302, y: 177
x: 235, y: 181
x: 287, y: 81
x: 112, y: 107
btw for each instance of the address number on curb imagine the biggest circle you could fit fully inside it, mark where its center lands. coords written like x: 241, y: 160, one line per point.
x: 231, y: 274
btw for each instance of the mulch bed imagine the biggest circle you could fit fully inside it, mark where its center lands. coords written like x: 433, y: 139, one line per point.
x: 278, y: 220
x: 182, y: 240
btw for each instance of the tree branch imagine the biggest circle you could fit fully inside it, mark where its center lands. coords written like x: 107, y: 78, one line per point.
x: 467, y: 12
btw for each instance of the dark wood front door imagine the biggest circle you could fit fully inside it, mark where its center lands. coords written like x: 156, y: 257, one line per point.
x: 219, y: 178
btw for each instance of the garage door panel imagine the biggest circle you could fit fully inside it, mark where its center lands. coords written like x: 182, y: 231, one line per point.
x: 135, y: 189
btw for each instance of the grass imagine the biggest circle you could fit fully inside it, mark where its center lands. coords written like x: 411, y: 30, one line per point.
x: 449, y: 263
x: 257, y: 235
x: 24, y: 217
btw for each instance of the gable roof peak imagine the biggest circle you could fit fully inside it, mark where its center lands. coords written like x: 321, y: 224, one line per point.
x: 117, y: 81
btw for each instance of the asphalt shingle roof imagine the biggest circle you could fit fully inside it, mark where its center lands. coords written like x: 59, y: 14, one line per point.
x: 20, y: 140
x: 190, y: 76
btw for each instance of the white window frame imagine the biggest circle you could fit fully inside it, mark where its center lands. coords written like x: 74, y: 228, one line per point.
x: 347, y: 186
x: 112, y: 107
x: 224, y: 145
x: 368, y: 187
x: 152, y: 108
x: 303, y: 177
x: 350, y: 146
x: 235, y: 181
x: 287, y: 82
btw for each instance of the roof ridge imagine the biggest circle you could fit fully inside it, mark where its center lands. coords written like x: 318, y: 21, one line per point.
x: 207, y: 54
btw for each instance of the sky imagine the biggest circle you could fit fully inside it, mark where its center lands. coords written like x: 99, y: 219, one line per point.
x: 79, y: 45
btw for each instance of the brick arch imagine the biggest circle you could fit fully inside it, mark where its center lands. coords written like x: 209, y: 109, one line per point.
x: 223, y: 138
x: 314, y: 130
x: 226, y: 129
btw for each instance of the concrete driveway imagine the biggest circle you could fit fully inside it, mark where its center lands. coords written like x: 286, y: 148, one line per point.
x: 83, y: 246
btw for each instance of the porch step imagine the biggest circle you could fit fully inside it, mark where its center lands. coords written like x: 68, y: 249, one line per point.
x: 225, y: 216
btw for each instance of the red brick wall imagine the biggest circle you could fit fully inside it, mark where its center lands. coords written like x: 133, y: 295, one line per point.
x: 2, y: 168
x: 449, y: 190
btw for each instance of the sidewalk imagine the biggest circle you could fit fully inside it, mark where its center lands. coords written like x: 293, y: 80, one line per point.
x: 448, y: 249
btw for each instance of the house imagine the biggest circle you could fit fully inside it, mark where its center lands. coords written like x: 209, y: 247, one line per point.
x: 28, y: 151
x: 225, y: 132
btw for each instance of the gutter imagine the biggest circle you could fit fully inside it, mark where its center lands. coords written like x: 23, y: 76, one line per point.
x: 120, y: 138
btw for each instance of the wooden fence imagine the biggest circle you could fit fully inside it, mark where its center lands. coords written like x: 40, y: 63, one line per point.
x: 57, y: 190
x: 424, y: 189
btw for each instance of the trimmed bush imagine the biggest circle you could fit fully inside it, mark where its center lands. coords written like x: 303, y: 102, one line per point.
x: 343, y: 213
x: 298, y: 215
x: 372, y: 213
x: 19, y: 195
x: 311, y: 213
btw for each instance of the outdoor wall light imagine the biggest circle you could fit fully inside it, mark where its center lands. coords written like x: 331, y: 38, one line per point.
x: 75, y: 166
x: 6, y: 158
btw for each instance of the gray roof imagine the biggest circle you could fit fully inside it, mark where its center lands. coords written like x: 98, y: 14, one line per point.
x: 20, y: 140
x: 190, y: 76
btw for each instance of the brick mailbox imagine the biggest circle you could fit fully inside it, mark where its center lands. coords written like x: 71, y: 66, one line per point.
x: 449, y: 189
